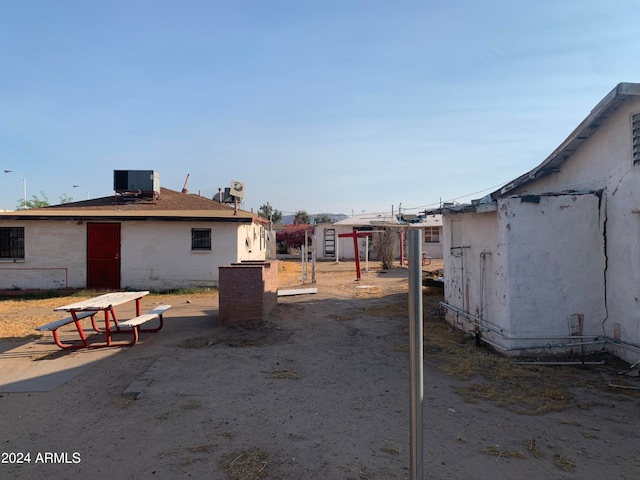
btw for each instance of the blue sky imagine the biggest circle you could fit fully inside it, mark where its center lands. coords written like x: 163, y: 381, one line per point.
x: 325, y: 106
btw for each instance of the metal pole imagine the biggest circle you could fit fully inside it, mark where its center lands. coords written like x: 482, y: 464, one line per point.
x: 306, y: 253
x: 416, y: 353
x: 314, y: 253
x: 302, y: 266
x: 24, y: 186
x: 366, y: 253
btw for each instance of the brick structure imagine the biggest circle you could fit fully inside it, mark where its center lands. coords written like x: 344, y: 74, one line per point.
x: 248, y: 291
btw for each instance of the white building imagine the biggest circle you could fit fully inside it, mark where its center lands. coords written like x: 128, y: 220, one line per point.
x: 549, y: 263
x: 173, y: 240
x: 330, y: 245
x: 431, y: 228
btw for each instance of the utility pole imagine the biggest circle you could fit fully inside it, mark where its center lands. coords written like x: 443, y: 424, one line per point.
x: 24, y: 186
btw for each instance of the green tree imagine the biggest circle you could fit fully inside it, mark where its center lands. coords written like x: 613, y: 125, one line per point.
x: 268, y: 212
x: 301, y: 218
x: 66, y: 199
x: 35, y: 202
x: 323, y: 218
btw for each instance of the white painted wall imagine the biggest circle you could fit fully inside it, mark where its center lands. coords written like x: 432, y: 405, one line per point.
x: 605, y: 162
x: 543, y: 262
x: 154, y: 255
x: 555, y: 267
x: 344, y: 246
x: 251, y: 242
x: 555, y: 262
x: 431, y: 249
x: 158, y: 255
x: 466, y: 237
x: 55, y: 257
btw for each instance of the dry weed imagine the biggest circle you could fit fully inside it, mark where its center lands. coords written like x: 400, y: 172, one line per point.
x: 202, y: 448
x: 251, y: 464
x: 391, y: 451
x: 19, y: 318
x: 533, y: 448
x: 286, y: 374
x: 497, y: 451
x: 532, y: 390
x: 563, y: 463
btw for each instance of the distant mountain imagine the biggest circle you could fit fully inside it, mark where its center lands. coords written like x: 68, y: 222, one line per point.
x: 335, y: 216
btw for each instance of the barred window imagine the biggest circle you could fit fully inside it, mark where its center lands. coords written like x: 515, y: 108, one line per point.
x: 12, y: 242
x: 200, y: 239
x: 431, y: 235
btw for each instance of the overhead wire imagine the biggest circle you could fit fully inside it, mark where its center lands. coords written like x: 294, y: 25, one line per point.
x: 434, y: 204
x: 455, y: 199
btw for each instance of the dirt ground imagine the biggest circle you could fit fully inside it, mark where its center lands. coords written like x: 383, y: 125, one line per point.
x: 318, y: 391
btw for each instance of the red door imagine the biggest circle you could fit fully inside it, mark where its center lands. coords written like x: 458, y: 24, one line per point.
x: 103, y: 256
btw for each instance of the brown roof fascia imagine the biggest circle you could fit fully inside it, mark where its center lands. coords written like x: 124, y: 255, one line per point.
x: 168, y: 206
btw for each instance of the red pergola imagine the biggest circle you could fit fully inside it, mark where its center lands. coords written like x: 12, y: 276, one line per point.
x: 355, y: 235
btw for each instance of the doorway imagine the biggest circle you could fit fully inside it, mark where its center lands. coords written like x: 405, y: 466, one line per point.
x: 103, y: 256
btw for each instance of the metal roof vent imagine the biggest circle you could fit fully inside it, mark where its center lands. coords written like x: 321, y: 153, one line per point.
x: 635, y: 125
x: 144, y: 183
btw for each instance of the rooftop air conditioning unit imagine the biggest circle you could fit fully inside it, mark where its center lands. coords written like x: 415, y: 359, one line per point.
x: 141, y: 182
x: 232, y: 194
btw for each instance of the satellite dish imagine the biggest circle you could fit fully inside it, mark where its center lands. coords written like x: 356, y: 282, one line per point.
x: 237, y: 189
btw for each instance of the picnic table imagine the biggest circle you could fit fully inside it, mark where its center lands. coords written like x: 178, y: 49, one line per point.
x: 105, y: 303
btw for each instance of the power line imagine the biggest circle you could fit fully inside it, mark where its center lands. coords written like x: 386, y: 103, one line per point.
x: 455, y: 199
x: 434, y: 204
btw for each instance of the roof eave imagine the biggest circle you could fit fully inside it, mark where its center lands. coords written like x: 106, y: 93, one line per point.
x: 27, y: 215
x: 600, y: 113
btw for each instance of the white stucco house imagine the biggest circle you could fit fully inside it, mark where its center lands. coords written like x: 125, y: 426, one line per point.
x: 331, y: 247
x: 430, y: 226
x: 550, y: 262
x: 167, y: 241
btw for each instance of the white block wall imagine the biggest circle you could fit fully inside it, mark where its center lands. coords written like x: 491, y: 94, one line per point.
x: 154, y: 255
x: 55, y: 257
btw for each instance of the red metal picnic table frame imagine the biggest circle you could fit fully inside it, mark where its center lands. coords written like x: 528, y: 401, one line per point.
x: 103, y: 303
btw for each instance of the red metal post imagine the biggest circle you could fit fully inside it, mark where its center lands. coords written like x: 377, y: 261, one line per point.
x: 107, y: 331
x: 76, y: 321
x: 355, y: 235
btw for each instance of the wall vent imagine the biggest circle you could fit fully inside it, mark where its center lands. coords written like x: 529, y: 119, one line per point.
x: 635, y: 137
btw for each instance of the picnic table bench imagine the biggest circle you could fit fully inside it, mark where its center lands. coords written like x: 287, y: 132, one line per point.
x: 105, y: 303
